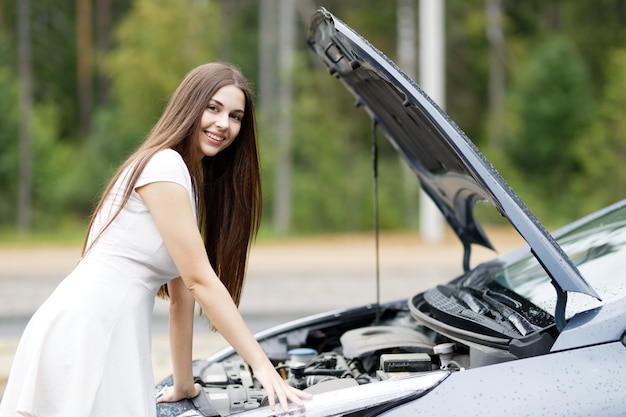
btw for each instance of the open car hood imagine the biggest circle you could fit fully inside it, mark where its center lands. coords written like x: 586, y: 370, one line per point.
x: 451, y: 170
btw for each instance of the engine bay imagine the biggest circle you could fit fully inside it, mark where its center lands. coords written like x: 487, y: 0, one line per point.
x: 359, y: 346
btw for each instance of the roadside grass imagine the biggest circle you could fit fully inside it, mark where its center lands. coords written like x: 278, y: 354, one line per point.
x: 67, y: 233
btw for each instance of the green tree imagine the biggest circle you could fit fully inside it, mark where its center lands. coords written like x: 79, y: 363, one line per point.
x: 554, y: 107
x: 8, y: 144
x: 603, y: 150
x: 332, y: 173
x: 157, y: 43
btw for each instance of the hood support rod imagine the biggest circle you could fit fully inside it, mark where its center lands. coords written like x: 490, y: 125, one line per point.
x: 376, y: 216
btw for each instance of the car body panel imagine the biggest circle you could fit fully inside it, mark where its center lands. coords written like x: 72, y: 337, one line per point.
x: 545, y: 385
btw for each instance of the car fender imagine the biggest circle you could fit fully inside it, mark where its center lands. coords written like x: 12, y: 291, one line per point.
x: 553, y: 384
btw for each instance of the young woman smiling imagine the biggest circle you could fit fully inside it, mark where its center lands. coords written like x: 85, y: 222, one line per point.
x: 176, y: 220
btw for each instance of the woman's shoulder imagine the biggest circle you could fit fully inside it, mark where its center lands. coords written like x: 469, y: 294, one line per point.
x: 167, y: 160
x: 167, y: 156
x: 165, y: 165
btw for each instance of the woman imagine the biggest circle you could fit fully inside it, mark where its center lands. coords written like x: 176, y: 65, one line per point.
x: 86, y: 351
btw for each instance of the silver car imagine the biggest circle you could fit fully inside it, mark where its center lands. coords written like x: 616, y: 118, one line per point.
x: 540, y: 331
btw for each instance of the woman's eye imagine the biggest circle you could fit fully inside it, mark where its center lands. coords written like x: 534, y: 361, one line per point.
x: 236, y: 117
x: 212, y: 107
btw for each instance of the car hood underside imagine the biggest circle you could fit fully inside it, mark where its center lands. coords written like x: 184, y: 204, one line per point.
x: 451, y: 170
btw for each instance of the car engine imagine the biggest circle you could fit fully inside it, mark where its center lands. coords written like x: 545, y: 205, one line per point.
x: 325, y: 356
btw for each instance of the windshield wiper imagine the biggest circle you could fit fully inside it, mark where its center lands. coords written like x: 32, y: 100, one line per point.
x: 471, y: 301
x: 521, y: 324
x: 480, y: 302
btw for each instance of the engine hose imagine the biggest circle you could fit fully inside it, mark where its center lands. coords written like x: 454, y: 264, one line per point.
x: 356, y: 369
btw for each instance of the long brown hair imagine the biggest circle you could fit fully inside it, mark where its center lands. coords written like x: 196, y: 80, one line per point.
x: 227, y: 185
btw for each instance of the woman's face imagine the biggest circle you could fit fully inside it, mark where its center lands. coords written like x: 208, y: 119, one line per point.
x: 221, y: 120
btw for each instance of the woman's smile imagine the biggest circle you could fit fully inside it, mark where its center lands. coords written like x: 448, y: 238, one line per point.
x: 214, y: 137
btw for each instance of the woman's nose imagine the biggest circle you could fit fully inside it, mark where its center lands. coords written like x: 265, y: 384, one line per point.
x: 222, y: 120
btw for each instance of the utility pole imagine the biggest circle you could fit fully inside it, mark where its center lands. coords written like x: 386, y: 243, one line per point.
x: 286, y: 52
x: 432, y: 80
x: 276, y: 57
x: 495, y: 36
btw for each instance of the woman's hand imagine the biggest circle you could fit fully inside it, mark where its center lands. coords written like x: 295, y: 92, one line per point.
x: 172, y: 394
x: 276, y: 387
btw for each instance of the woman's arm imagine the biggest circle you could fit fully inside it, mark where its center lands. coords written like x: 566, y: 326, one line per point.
x: 181, y: 337
x: 171, y: 209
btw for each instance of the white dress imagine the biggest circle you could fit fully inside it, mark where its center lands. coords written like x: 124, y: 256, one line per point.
x: 87, y: 351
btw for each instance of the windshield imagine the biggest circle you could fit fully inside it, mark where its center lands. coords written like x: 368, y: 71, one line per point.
x: 597, y: 248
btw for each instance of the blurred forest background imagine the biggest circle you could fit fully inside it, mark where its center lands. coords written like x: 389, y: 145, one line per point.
x: 539, y: 86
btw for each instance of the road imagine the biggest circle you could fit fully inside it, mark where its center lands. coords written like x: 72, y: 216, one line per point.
x: 286, y: 279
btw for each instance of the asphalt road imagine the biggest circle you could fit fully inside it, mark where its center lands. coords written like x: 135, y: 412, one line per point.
x: 287, y: 279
